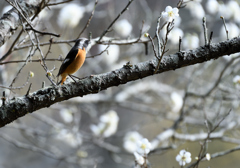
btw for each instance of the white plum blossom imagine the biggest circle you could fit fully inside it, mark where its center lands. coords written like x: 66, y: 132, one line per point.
x: 123, y: 27
x: 144, y: 147
x: 175, y: 34
x: 138, y: 158
x: 69, y: 138
x: 190, y: 41
x: 177, y: 22
x: 170, y: 13
x: 107, y: 125
x: 222, y: 11
x: 99, y: 129
x: 236, y: 79
x: 183, y: 157
x: 130, y: 141
x: 70, y: 15
x: 208, y: 156
x: 233, y: 6
x: 66, y: 115
x: 196, y: 10
x: 112, y: 54
x: 212, y: 6
x: 177, y: 102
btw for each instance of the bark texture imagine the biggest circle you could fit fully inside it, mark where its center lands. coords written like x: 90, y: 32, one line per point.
x: 11, y: 20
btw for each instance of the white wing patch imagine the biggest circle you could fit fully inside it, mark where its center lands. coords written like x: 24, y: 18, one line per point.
x: 66, y: 60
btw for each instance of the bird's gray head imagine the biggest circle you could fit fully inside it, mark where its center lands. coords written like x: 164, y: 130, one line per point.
x: 83, y: 43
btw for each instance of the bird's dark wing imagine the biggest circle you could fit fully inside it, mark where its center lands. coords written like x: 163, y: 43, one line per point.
x: 68, y: 60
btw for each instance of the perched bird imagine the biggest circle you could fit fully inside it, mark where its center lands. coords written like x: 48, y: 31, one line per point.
x: 74, y: 59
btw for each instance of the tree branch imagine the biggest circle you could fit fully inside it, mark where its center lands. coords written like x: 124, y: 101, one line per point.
x: 10, y: 21
x: 42, y: 98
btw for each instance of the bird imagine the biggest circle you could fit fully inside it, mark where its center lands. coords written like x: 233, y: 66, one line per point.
x: 74, y: 59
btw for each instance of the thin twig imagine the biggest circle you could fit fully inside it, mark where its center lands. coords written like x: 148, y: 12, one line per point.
x: 224, y: 23
x: 3, y: 98
x: 32, y: 28
x: 49, y: 49
x: 89, y: 20
x: 58, y: 3
x: 153, y: 45
x: 29, y: 56
x: 164, y: 44
x: 107, y: 30
x: 29, y: 88
x: 205, y: 30
x: 105, y: 50
x: 180, y: 44
x: 10, y: 49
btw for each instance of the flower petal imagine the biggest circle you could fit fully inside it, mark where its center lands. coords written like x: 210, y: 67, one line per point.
x: 168, y: 9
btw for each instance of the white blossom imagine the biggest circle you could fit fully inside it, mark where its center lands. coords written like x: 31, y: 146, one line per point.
x: 170, y: 13
x: 144, y: 147
x: 99, y: 129
x: 183, y: 157
x: 236, y: 79
x: 208, y: 156
x: 177, y: 102
x: 111, y: 55
x: 69, y: 138
x: 139, y: 159
x: 175, y: 34
x: 70, y: 15
x: 212, y: 6
x: 123, y: 27
x: 190, y: 41
x: 196, y: 10
x: 130, y: 141
x: 107, y: 125
x: 234, y: 8
x: 66, y: 115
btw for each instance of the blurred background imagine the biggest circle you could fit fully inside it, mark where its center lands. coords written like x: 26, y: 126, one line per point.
x: 72, y: 134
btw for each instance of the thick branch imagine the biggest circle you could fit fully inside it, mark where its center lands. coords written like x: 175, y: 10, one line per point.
x: 11, y: 20
x: 20, y: 106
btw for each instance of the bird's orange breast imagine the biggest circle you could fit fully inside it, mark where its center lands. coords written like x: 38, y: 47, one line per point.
x: 77, y: 63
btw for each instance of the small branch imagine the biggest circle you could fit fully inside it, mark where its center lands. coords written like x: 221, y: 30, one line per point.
x: 48, y: 96
x: 105, y: 50
x: 163, y: 44
x: 23, y: 61
x: 29, y: 56
x: 49, y: 49
x: 153, y: 45
x: 3, y: 98
x: 31, y: 27
x: 109, y: 27
x: 180, y: 44
x: 224, y: 23
x: 10, y: 49
x: 217, y: 81
x: 210, y: 38
x: 29, y: 88
x: 141, y: 32
x: 89, y: 20
x: 58, y: 3
x: 205, y: 30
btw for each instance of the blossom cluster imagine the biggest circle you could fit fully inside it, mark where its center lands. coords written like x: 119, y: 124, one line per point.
x: 139, y: 146
x: 107, y: 126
